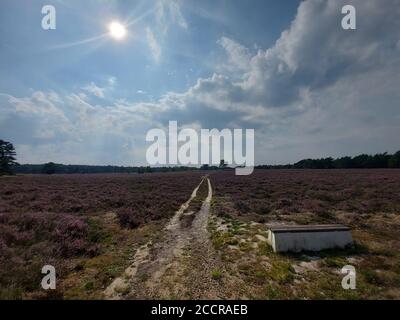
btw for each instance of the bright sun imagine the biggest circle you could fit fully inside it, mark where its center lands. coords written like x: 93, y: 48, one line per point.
x: 117, y: 30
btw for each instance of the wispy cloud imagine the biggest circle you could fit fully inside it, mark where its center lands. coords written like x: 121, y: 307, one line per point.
x: 112, y: 81
x: 169, y: 13
x: 153, y: 45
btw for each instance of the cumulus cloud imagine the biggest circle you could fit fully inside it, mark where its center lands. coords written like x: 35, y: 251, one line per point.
x: 311, y: 57
x: 97, y: 91
x: 319, y: 90
x: 239, y: 56
x: 51, y: 127
x: 315, y: 52
x: 93, y: 89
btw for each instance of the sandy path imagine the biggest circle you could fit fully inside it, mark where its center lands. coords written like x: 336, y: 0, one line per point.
x: 179, y: 266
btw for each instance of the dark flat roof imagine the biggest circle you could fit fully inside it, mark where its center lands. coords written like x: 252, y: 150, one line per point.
x: 309, y: 228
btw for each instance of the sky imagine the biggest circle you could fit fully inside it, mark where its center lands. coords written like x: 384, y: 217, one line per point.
x: 286, y: 69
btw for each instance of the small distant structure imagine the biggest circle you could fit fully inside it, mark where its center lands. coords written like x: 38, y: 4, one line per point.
x: 296, y: 238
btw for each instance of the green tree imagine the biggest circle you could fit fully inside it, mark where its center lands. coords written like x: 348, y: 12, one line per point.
x: 344, y: 162
x: 49, y: 168
x: 7, y: 157
x: 394, y: 161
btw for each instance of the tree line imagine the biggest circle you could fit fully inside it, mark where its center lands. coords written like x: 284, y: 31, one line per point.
x: 8, y: 164
x: 363, y: 161
x: 57, y: 168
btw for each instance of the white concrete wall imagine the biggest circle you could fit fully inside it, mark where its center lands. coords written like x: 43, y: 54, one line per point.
x: 308, y: 241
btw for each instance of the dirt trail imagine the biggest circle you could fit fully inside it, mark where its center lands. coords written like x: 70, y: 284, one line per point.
x: 179, y: 266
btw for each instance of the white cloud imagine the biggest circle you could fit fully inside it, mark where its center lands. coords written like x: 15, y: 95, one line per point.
x: 93, y: 89
x: 313, y: 55
x: 176, y: 14
x: 169, y: 13
x: 66, y: 128
x: 319, y: 89
x: 315, y: 52
x: 239, y: 56
x: 99, y: 92
x: 153, y: 45
x: 112, y: 81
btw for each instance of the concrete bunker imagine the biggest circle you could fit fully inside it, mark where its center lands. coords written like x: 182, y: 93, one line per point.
x: 296, y: 238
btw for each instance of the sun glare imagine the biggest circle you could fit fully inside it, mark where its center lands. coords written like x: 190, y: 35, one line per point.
x: 117, y: 30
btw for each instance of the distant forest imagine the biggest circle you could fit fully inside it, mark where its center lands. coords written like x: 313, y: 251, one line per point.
x: 363, y: 161
x: 52, y: 168
x: 382, y: 160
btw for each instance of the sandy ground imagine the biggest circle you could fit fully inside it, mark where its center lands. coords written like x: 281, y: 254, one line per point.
x: 179, y: 266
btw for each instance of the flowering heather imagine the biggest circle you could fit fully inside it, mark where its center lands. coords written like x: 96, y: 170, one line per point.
x: 47, y: 219
x: 147, y: 197
x: 268, y: 192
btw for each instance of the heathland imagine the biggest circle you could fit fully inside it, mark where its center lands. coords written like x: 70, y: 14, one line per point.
x: 197, y: 234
